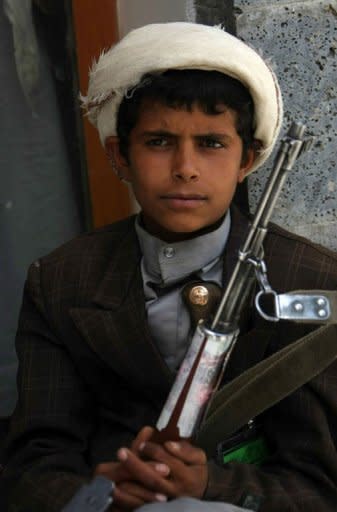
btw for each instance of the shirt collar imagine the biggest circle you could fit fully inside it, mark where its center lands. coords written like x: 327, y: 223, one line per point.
x: 167, y: 263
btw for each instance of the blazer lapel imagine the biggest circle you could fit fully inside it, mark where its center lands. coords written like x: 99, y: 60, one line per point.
x: 116, y: 327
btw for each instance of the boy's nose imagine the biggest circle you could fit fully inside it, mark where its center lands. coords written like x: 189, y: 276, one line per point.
x: 184, y: 166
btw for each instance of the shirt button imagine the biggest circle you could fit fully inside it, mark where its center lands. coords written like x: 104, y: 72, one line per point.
x: 169, y: 252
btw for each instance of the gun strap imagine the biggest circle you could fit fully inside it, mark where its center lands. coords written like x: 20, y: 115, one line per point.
x: 265, y: 384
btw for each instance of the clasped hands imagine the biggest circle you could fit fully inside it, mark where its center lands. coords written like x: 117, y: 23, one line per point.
x: 147, y: 472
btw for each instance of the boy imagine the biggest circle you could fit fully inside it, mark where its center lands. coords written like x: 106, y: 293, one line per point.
x: 184, y: 112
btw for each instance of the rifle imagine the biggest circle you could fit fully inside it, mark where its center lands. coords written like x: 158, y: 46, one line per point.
x: 213, y: 342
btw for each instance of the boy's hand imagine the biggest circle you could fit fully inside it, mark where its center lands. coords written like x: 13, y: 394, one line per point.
x: 148, y: 472
x: 115, y: 470
x: 188, y: 471
x: 172, y: 470
x: 128, y: 493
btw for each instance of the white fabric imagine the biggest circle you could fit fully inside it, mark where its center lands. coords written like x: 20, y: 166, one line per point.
x: 182, y: 45
x: 190, y: 505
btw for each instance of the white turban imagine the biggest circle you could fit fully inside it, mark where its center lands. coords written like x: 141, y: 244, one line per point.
x: 162, y: 46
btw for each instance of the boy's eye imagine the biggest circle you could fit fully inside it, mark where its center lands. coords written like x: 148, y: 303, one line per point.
x: 211, y: 143
x: 158, y: 141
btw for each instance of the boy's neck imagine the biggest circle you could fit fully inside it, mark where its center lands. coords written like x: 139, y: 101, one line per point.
x: 172, y: 237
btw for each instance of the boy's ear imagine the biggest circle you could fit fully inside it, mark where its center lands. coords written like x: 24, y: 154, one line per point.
x: 118, y: 162
x: 247, y: 165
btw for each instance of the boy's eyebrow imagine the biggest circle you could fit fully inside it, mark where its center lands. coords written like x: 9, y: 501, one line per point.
x: 214, y: 135
x: 166, y: 133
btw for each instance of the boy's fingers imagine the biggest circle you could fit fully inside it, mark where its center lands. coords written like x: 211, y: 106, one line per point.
x: 157, y: 452
x: 150, y: 475
x: 112, y: 470
x: 144, y: 435
x: 123, y: 500
x: 130, y: 495
x: 173, y: 451
x: 188, y: 467
x: 186, y: 452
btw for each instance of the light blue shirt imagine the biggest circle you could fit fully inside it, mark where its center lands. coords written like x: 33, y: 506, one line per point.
x: 165, y: 264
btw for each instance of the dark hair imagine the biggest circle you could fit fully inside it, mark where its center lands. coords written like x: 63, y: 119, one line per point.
x: 184, y: 88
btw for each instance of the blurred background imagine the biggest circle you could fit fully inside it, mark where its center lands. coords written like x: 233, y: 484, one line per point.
x: 55, y: 180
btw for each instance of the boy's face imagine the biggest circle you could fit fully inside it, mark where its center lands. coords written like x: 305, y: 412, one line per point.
x: 183, y: 167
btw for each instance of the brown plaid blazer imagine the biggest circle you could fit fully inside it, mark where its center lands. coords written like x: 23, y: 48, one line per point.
x: 90, y: 376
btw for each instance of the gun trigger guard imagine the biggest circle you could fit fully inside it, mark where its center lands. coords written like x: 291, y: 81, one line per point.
x: 258, y: 306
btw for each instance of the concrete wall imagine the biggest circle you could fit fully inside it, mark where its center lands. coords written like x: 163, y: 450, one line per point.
x: 135, y: 13
x: 38, y: 209
x: 300, y: 39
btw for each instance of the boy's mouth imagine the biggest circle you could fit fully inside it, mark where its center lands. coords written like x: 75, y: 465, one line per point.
x: 178, y: 201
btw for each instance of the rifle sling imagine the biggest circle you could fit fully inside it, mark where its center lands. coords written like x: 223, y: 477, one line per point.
x: 265, y: 384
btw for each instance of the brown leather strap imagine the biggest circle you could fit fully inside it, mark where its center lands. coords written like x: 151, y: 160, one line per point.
x: 265, y: 384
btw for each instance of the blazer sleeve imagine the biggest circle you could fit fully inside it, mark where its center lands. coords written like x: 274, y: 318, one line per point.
x: 44, y: 456
x: 301, y: 473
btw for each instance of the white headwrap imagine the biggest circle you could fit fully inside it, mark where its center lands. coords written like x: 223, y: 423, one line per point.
x: 162, y: 46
